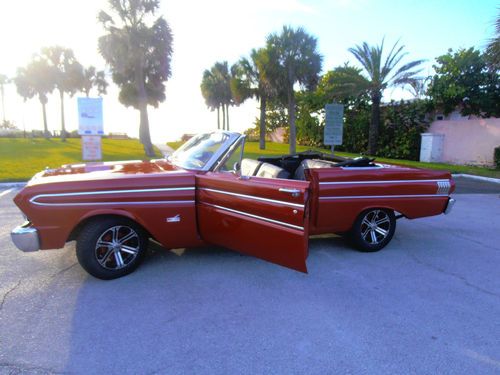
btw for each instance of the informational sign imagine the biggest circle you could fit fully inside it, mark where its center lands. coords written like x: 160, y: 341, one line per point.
x: 334, y: 124
x: 90, y: 116
x: 91, y: 147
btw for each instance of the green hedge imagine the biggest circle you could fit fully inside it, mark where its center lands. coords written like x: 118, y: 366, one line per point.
x: 399, y: 133
x: 496, y: 157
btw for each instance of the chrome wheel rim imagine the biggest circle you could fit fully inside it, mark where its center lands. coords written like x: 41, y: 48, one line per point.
x: 375, y: 227
x: 117, y: 247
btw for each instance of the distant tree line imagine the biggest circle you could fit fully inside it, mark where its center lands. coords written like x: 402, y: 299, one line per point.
x: 466, y: 80
x: 137, y: 47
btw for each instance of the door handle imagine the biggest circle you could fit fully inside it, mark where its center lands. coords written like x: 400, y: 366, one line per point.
x: 294, y: 192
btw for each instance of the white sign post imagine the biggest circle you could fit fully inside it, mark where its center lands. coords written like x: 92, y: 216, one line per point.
x: 334, y: 122
x: 90, y: 127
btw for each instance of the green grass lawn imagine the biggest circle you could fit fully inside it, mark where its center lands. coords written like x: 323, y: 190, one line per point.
x: 252, y: 151
x: 21, y: 158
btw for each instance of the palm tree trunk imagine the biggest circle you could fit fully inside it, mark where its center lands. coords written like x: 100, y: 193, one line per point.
x: 63, y: 124
x: 218, y: 118
x: 227, y: 114
x: 144, y: 134
x: 44, y: 113
x: 374, y: 124
x: 223, y: 117
x: 291, y: 114
x: 262, y: 131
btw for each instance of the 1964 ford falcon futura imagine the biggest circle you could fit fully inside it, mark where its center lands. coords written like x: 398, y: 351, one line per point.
x: 206, y: 193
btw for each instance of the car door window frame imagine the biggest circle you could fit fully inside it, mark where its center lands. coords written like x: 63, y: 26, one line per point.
x: 220, y: 163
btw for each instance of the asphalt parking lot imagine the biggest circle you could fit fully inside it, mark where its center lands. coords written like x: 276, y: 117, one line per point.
x: 427, y: 304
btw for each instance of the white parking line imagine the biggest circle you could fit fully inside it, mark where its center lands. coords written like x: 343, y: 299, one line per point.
x: 5, y: 192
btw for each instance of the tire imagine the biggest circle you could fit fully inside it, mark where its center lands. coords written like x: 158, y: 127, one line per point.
x: 110, y: 248
x: 373, y: 229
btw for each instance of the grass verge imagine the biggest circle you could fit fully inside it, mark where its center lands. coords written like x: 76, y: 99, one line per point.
x: 21, y: 158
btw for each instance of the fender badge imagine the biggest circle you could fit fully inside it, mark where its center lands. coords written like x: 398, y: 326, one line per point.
x: 174, y: 219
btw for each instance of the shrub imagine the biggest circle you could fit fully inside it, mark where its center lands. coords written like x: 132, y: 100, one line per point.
x: 400, y: 129
x: 496, y: 157
x: 309, y: 130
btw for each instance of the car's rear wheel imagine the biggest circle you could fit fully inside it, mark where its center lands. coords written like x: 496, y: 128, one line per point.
x: 373, y: 229
x: 111, y: 247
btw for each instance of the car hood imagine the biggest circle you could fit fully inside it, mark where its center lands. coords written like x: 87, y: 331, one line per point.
x: 104, y: 170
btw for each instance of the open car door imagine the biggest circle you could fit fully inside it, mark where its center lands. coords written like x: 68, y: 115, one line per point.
x: 263, y: 217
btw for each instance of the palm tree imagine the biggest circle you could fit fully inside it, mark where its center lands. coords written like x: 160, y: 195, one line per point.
x: 418, y: 86
x: 220, y: 70
x: 209, y: 92
x: 250, y: 81
x: 93, y: 78
x: 36, y: 80
x: 380, y: 74
x: 293, y: 58
x: 68, y: 75
x: 493, y: 49
x: 138, y: 48
x: 216, y: 89
x: 3, y: 81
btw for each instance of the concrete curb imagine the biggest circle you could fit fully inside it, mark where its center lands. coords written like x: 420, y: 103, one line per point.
x: 8, y: 185
x: 479, y: 178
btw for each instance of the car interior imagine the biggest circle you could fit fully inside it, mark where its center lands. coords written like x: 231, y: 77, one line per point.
x: 293, y: 166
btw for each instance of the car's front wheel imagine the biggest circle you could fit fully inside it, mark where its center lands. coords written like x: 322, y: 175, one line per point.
x: 111, y: 247
x: 373, y: 229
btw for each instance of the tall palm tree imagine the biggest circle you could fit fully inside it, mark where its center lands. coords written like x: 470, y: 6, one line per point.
x: 380, y: 74
x: 250, y: 81
x: 68, y: 76
x: 293, y: 58
x: 209, y: 92
x: 493, y: 49
x: 222, y: 75
x: 216, y: 89
x: 93, y: 78
x: 138, y: 48
x: 36, y: 80
x: 3, y: 81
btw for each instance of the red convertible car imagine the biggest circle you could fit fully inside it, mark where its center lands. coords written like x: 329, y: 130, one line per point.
x: 206, y: 192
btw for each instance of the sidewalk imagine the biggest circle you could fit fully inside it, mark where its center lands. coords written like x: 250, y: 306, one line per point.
x: 164, y: 148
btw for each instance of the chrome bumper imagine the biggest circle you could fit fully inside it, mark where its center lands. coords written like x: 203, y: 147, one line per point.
x: 449, y: 206
x: 25, y: 237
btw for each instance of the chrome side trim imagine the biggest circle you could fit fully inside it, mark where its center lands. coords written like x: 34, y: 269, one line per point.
x: 443, y: 187
x: 297, y: 205
x: 255, y: 216
x: 382, y: 182
x: 385, y: 196
x: 112, y: 203
x: 105, y: 192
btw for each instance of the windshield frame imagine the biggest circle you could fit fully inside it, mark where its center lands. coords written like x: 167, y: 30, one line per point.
x: 232, y: 138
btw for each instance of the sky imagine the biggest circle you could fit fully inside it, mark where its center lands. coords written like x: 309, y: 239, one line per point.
x: 217, y: 30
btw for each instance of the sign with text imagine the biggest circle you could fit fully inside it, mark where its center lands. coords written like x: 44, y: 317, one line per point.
x: 90, y: 116
x: 91, y: 147
x: 334, y: 122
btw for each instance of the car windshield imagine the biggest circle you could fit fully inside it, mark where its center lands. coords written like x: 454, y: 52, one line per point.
x: 199, y: 150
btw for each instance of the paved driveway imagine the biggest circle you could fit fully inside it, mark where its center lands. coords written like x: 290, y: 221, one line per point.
x: 429, y: 304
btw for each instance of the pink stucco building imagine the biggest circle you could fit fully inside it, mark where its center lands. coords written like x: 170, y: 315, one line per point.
x: 467, y: 140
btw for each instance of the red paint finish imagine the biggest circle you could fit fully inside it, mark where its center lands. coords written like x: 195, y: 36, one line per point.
x: 59, y: 212
x: 246, y: 215
x: 267, y: 218
x: 340, y: 195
